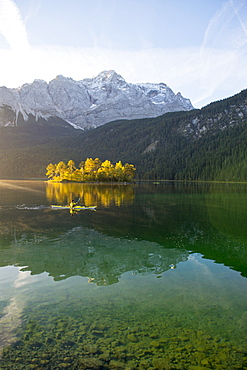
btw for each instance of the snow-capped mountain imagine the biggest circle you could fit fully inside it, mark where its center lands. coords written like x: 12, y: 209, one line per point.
x: 93, y: 101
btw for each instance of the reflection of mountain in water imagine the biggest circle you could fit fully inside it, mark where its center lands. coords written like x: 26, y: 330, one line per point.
x: 206, y: 219
x: 81, y: 251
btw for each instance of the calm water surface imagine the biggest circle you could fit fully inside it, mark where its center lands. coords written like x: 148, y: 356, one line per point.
x: 155, y: 278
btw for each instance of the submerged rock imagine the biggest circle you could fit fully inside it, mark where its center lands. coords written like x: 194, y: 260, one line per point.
x: 131, y: 337
x: 116, y: 365
x: 90, y: 363
x: 92, y: 349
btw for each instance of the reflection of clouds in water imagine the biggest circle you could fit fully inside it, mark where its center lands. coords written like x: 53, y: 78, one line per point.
x: 195, y: 259
x: 11, y: 318
x: 9, y: 322
x: 206, y: 270
x: 16, y: 283
x: 22, y: 279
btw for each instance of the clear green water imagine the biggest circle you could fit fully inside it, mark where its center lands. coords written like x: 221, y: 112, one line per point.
x: 154, y: 279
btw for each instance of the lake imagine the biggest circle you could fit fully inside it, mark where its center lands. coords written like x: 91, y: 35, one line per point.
x: 155, y: 278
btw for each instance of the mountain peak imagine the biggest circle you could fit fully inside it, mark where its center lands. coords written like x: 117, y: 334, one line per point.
x: 109, y: 77
x: 108, y: 74
x: 35, y: 84
x: 93, y: 101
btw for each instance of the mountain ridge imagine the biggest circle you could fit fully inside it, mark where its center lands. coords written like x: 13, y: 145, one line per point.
x: 91, y: 102
x: 202, y: 144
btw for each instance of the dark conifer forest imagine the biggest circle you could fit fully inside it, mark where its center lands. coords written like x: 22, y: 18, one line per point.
x: 202, y: 144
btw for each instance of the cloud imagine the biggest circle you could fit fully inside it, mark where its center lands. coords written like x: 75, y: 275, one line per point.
x: 240, y: 10
x: 12, y: 26
x: 223, y: 55
x: 33, y: 9
x: 228, y: 26
x: 209, y: 72
x: 203, y: 75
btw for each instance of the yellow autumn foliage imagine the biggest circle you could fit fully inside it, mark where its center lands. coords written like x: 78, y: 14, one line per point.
x: 91, y: 170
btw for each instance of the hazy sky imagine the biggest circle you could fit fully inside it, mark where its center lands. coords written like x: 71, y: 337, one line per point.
x: 197, y: 47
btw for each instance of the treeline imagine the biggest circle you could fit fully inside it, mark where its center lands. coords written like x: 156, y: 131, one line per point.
x: 91, y: 170
x: 220, y: 157
x: 177, y: 153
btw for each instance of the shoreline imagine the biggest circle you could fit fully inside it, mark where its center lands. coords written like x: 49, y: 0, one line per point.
x: 137, y: 181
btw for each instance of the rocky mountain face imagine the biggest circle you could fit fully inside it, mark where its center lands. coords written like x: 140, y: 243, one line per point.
x: 213, y: 120
x: 90, y: 102
x: 200, y: 144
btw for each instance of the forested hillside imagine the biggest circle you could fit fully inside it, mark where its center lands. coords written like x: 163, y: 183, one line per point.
x: 206, y: 144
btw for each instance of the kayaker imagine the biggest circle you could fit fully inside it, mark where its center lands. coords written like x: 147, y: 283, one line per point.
x: 73, y: 203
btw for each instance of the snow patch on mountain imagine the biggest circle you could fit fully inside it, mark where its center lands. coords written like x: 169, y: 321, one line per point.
x: 93, y: 101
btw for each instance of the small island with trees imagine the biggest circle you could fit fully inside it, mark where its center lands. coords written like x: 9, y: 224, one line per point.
x: 90, y: 170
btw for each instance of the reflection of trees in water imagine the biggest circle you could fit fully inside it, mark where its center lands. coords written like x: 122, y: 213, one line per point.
x: 89, y: 194
x: 89, y: 253
x: 213, y: 224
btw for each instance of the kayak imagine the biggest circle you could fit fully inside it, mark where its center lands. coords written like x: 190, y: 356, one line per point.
x: 75, y: 208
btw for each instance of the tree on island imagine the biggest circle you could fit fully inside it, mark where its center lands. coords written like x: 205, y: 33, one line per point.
x: 91, y: 170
